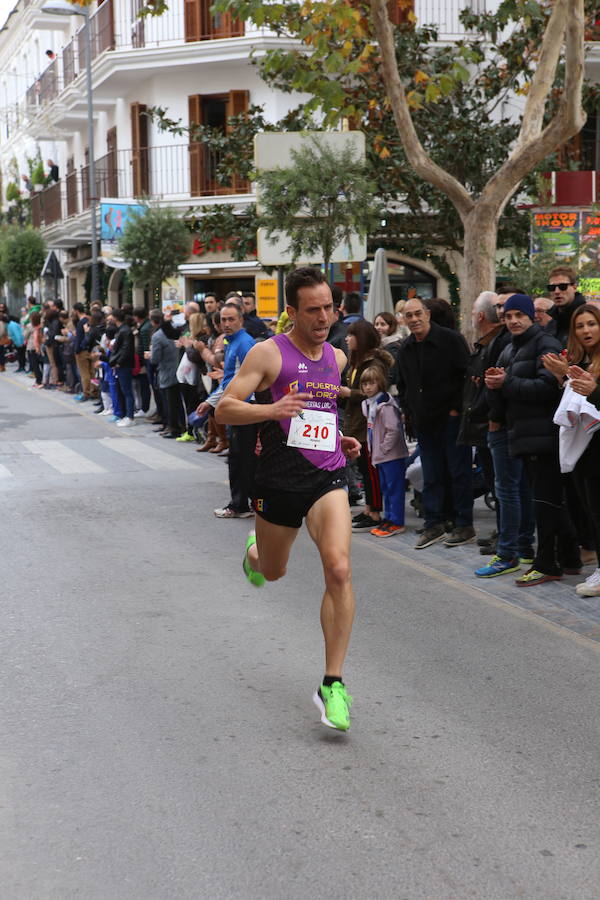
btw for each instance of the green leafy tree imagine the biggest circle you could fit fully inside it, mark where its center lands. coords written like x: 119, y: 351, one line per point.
x: 22, y: 255
x: 319, y: 201
x: 155, y: 242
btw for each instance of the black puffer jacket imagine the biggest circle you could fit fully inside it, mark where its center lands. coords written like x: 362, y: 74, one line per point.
x: 530, y: 394
x: 561, y: 319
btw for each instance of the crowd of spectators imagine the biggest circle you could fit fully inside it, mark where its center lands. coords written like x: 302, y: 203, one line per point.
x: 514, y: 418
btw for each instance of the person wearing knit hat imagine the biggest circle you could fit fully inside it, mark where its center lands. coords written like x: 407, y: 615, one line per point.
x: 525, y: 395
x: 522, y: 302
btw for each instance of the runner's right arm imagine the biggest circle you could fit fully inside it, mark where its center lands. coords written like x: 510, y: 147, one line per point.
x: 258, y: 372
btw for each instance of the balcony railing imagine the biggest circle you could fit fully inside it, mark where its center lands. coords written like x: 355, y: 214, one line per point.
x: 173, y: 172
x: 117, y: 27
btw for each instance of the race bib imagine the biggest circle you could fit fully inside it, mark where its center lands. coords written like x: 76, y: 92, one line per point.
x: 313, y: 430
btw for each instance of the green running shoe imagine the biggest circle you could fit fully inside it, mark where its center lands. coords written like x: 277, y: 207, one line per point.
x: 255, y: 578
x: 334, y: 703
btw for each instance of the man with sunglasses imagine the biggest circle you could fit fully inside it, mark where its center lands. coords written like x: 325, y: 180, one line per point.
x: 562, y: 290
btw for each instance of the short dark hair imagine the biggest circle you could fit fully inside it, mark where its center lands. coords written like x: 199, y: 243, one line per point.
x: 305, y: 276
x: 140, y: 312
x: 231, y: 304
x: 120, y: 314
x: 156, y: 315
x: 353, y: 302
x: 79, y: 307
x: 337, y: 294
x: 249, y: 294
x: 59, y: 304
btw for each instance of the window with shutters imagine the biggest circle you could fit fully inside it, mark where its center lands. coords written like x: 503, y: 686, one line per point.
x: 140, y: 175
x: 202, y: 23
x: 214, y: 110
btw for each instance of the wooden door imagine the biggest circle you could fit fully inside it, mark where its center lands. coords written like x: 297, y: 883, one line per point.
x: 139, y: 150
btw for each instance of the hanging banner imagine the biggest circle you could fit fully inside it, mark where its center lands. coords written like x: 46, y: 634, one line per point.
x: 589, y: 249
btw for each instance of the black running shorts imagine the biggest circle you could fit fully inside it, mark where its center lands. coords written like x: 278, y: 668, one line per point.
x: 290, y: 507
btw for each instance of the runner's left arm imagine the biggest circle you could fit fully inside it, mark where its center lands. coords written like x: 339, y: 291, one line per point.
x: 260, y: 368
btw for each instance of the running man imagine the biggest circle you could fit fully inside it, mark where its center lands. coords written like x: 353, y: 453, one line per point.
x: 295, y: 378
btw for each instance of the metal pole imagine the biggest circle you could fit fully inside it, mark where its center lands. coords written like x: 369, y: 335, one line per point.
x: 95, y: 294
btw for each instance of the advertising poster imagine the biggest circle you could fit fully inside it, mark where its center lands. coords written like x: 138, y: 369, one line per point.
x: 113, y: 218
x: 589, y: 250
x: 556, y: 232
x: 173, y: 294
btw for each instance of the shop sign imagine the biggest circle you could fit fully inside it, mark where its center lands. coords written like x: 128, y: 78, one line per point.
x: 267, y: 298
x: 590, y: 239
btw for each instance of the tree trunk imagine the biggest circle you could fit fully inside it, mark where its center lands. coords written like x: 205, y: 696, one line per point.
x: 480, y: 237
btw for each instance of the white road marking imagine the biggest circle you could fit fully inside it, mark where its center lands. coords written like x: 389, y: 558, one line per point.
x: 62, y: 458
x: 4, y: 472
x: 149, y: 456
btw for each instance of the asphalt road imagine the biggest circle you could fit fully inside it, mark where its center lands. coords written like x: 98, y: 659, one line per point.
x: 157, y: 735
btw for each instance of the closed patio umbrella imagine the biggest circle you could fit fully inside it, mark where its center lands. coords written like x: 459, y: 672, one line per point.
x: 380, y: 293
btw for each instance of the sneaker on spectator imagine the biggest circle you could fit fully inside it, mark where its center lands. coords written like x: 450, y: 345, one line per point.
x: 113, y: 418
x: 139, y: 414
x: 527, y: 556
x: 387, y: 529
x: 463, y: 535
x: 592, y: 582
x: 533, y: 577
x: 228, y: 513
x: 364, y: 523
x: 186, y: 436
x: 498, y: 566
x: 125, y: 422
x: 430, y: 536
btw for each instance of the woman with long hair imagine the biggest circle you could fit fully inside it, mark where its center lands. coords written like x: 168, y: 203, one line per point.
x: 387, y: 327
x: 583, y: 352
x: 363, y: 342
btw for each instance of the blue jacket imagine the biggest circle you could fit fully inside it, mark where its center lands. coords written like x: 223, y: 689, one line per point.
x: 236, y: 348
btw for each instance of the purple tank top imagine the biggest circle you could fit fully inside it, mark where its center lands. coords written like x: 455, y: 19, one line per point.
x: 321, y: 378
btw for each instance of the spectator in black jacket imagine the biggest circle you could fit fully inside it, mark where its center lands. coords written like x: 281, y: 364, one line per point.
x: 562, y: 287
x: 255, y: 326
x: 525, y: 395
x: 122, y: 361
x: 432, y: 363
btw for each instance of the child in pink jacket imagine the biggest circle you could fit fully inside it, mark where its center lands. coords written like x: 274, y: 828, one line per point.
x: 387, y: 444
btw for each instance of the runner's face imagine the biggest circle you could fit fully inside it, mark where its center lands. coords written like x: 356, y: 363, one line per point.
x: 587, y: 331
x: 314, y: 316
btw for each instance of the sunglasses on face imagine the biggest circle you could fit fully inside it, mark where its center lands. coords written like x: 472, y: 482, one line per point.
x: 562, y: 286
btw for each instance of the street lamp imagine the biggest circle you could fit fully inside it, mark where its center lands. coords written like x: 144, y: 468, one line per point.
x: 62, y: 8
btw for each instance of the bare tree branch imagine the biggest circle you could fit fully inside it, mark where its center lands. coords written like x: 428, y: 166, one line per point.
x: 568, y: 120
x: 539, y: 88
x: 416, y: 154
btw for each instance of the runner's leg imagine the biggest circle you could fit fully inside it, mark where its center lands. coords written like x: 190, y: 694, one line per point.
x: 329, y: 525
x: 270, y: 554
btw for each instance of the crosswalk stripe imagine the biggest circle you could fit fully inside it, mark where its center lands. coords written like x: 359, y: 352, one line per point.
x: 4, y: 472
x: 147, y: 455
x: 62, y: 458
